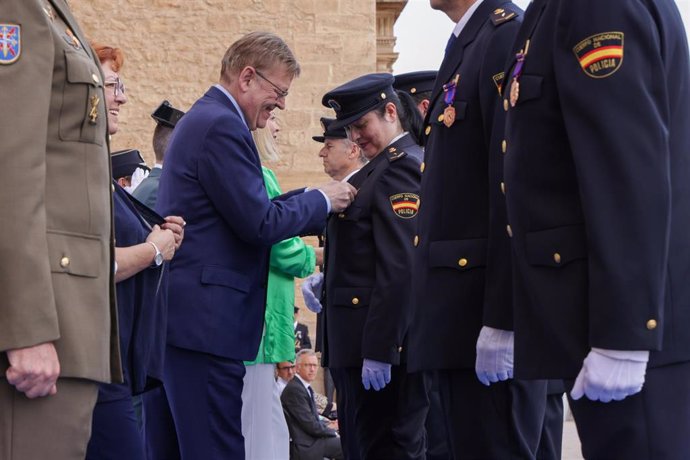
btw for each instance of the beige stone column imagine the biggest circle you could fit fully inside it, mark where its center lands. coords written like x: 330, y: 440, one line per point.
x: 387, y: 12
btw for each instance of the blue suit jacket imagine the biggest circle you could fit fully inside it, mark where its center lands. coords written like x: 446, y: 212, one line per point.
x: 212, y: 177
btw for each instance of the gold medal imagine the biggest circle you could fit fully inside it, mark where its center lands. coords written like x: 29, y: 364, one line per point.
x: 514, y: 92
x: 449, y: 116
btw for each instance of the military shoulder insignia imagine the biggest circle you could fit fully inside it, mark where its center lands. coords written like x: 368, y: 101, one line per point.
x: 405, y: 205
x: 498, y: 81
x: 600, y: 55
x: 501, y: 15
x: 395, y: 154
x: 10, y: 43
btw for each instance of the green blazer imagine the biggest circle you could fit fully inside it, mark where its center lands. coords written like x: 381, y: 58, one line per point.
x: 289, y: 259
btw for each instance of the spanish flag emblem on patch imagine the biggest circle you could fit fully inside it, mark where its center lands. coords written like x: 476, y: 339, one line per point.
x: 600, y: 55
x: 405, y: 205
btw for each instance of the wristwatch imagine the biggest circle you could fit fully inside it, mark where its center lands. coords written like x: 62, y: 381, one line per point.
x: 158, y: 258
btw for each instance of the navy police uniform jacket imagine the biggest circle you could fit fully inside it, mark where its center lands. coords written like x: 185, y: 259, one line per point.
x: 368, y: 256
x: 596, y: 171
x: 212, y: 178
x: 461, y: 262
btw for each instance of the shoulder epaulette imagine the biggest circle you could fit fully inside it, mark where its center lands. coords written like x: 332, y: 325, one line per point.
x: 504, y: 14
x: 394, y: 154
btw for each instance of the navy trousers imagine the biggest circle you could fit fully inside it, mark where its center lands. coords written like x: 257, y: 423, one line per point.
x: 653, y: 424
x: 205, y: 395
x: 160, y: 437
x: 500, y: 422
x: 115, y: 432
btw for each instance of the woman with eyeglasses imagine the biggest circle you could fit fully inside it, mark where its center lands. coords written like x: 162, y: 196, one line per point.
x: 144, y: 242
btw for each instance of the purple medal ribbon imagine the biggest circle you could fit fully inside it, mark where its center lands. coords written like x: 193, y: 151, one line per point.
x: 449, y: 90
x: 517, y: 71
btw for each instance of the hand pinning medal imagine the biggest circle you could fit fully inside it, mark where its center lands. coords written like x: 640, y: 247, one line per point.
x: 449, y: 90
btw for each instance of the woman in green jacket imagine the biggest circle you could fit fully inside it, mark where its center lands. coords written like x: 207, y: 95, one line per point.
x: 263, y: 424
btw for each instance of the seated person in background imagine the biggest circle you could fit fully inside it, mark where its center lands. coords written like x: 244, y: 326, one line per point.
x: 302, y: 340
x: 311, y: 437
x: 129, y: 168
x: 285, y: 372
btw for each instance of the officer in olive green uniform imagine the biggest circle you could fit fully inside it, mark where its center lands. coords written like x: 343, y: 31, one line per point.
x: 56, y: 277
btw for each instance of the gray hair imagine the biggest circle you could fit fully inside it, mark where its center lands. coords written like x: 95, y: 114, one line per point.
x: 261, y: 50
x: 304, y: 353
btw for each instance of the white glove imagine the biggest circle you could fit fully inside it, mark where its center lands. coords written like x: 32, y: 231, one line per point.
x: 494, y: 355
x: 137, y: 177
x: 311, y: 291
x: 611, y: 374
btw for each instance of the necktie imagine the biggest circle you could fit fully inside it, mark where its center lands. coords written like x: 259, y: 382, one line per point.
x: 451, y: 40
x: 312, y: 403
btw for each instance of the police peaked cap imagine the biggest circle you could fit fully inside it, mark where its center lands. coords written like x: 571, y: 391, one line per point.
x: 125, y: 162
x: 358, y: 97
x: 415, y: 82
x: 329, y: 132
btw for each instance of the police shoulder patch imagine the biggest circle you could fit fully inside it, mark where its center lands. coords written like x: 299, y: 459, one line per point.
x: 10, y: 43
x: 502, y: 15
x: 600, y: 55
x: 405, y: 205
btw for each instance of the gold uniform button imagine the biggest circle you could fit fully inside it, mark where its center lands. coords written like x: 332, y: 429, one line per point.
x: 651, y: 324
x: 506, y: 105
x: 557, y: 258
x: 422, y: 167
x: 462, y: 262
x: 341, y: 215
x: 503, y: 188
x: 95, y: 78
x: 355, y: 301
x: 427, y: 130
x: 383, y: 95
x: 112, y: 188
x: 399, y: 349
x: 64, y: 262
x: 509, y: 231
x: 441, y: 117
x: 504, y: 146
x: 416, y: 241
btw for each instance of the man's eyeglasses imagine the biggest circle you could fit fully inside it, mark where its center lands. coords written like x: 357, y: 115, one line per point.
x: 117, y: 85
x: 279, y: 91
x: 286, y: 367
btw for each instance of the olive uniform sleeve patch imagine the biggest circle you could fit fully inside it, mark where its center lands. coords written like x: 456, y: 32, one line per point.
x: 10, y: 43
x: 600, y: 55
x: 405, y: 205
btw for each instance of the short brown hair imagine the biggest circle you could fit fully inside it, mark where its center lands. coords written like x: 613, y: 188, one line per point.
x: 109, y: 53
x: 260, y: 50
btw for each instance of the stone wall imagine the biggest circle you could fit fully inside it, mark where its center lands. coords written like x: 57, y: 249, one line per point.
x: 173, y: 50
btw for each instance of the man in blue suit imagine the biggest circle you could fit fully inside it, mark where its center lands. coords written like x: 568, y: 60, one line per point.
x: 218, y: 283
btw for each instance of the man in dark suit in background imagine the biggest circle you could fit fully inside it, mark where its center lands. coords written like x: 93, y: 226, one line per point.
x: 166, y: 117
x: 311, y: 437
x: 597, y: 161
x: 218, y: 281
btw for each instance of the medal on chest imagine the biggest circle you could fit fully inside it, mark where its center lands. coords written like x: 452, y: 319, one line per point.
x: 449, y: 90
x: 517, y: 72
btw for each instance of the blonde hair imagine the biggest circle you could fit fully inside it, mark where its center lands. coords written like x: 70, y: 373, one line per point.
x: 266, y: 145
x: 260, y: 50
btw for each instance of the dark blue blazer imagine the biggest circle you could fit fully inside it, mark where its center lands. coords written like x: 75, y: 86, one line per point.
x: 596, y: 171
x: 212, y: 178
x: 461, y: 262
